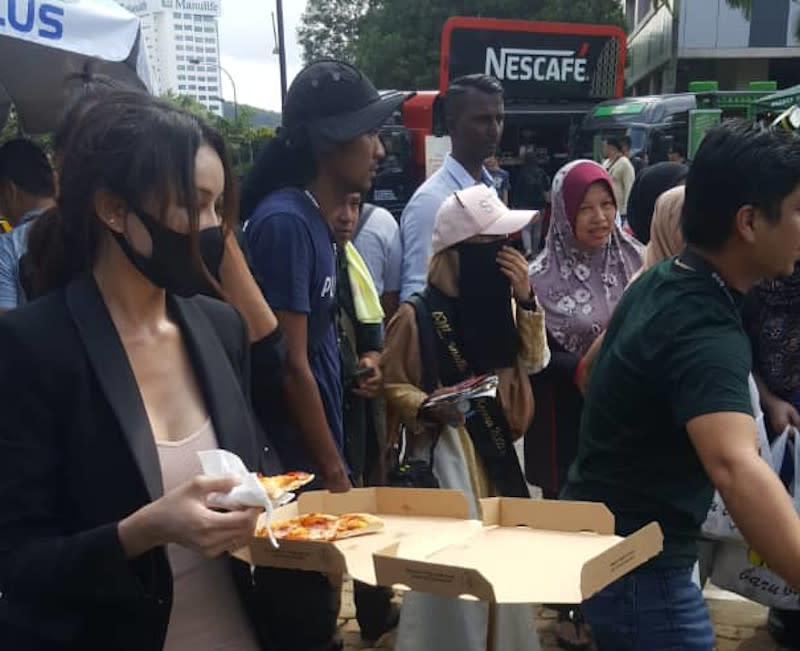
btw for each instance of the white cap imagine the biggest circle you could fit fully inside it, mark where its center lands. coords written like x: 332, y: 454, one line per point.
x: 476, y: 211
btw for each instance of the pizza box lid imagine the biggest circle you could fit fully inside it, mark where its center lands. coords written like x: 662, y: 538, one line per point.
x: 432, y: 518
x: 528, y: 551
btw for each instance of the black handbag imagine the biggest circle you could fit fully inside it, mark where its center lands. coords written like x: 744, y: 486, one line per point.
x: 418, y: 473
x: 412, y: 473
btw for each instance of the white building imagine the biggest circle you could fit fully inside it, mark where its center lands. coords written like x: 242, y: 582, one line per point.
x: 182, y: 43
x: 671, y: 44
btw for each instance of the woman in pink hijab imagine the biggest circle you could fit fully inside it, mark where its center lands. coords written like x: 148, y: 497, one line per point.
x: 578, y: 277
x: 585, y: 265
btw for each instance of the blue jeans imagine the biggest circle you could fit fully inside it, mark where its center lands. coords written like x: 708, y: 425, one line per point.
x: 651, y: 610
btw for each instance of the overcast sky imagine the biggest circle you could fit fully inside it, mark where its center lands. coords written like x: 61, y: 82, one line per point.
x: 246, y: 44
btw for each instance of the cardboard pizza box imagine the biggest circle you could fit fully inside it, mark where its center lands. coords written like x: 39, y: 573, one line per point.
x: 417, y: 519
x: 529, y: 551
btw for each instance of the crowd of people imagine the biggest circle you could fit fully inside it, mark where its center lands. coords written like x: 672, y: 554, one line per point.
x: 154, y: 311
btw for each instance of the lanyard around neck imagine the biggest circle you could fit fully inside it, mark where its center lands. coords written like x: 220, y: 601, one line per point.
x: 688, y: 259
x: 313, y: 200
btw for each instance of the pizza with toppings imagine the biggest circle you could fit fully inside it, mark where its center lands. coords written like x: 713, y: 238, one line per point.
x: 309, y: 526
x: 278, y: 485
x: 321, y: 527
x: 357, y: 524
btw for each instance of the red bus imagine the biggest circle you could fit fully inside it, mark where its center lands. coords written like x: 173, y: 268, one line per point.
x: 553, y: 75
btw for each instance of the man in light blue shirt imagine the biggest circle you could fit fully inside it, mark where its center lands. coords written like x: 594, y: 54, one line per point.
x: 27, y: 188
x: 474, y: 113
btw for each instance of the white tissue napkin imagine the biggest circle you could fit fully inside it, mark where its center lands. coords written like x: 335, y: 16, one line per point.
x: 248, y: 493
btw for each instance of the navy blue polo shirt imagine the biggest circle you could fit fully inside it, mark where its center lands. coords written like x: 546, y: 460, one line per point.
x: 294, y: 261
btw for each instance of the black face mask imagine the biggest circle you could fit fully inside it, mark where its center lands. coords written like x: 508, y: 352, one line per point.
x: 170, y: 265
x: 486, y: 320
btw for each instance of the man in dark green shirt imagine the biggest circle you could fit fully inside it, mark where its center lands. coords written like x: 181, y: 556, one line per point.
x: 674, y: 350
x: 668, y: 414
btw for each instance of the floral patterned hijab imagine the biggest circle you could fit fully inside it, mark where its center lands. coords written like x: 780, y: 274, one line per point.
x: 772, y: 319
x: 579, y: 289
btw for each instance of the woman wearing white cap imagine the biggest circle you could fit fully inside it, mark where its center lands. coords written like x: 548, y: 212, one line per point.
x: 487, y: 321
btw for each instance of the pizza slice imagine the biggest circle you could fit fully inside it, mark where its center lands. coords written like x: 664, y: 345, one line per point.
x: 322, y: 527
x: 309, y: 526
x: 278, y: 485
x: 357, y: 524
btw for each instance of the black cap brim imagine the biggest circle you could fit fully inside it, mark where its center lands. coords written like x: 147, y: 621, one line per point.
x: 347, y: 126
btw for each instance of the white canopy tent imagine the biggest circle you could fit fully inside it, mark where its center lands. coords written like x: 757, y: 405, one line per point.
x: 43, y: 43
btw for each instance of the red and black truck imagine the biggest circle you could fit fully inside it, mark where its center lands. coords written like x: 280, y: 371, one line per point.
x: 553, y: 74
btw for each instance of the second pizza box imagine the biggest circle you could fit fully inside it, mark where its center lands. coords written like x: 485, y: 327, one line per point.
x: 416, y: 519
x: 528, y: 551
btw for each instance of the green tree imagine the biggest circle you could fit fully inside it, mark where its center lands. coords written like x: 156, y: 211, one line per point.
x: 242, y: 139
x: 11, y: 128
x: 190, y: 104
x: 747, y: 7
x: 239, y: 134
x: 328, y: 28
x: 399, y: 40
x: 594, y: 12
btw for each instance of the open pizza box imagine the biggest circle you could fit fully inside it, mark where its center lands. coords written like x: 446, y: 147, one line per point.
x: 528, y: 551
x: 412, y: 517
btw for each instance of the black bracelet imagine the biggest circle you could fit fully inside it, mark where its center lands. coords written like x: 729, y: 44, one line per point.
x: 528, y: 304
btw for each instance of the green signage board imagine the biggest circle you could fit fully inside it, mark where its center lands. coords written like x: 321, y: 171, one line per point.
x: 701, y: 121
x: 619, y: 109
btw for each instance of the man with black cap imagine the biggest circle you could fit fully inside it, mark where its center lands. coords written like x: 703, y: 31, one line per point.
x: 327, y: 149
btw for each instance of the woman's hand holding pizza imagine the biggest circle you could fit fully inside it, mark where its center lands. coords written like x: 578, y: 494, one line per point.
x: 182, y: 516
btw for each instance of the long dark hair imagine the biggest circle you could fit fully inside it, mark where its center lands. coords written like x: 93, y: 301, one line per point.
x: 285, y: 161
x: 647, y: 188
x: 82, y: 90
x: 137, y: 148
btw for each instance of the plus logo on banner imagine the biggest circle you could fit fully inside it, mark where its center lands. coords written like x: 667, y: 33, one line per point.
x: 26, y: 16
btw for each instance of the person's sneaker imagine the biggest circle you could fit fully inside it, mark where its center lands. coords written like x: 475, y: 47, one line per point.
x: 572, y: 631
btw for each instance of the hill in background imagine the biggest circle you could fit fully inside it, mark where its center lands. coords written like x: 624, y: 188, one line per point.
x: 261, y: 117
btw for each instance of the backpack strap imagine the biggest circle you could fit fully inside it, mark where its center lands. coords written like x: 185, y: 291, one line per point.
x: 366, y: 212
x: 429, y: 355
x: 427, y: 342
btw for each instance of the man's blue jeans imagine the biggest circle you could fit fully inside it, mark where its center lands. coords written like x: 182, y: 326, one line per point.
x: 651, y: 610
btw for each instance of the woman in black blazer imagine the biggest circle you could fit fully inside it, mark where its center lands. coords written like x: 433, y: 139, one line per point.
x: 119, y: 359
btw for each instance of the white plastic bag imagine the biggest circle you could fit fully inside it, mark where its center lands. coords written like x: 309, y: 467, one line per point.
x: 741, y: 570
x: 719, y: 525
x: 248, y: 493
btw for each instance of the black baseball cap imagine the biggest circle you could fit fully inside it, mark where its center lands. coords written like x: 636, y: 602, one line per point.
x: 336, y: 102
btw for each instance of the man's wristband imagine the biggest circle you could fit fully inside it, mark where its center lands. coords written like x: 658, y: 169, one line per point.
x: 529, y: 303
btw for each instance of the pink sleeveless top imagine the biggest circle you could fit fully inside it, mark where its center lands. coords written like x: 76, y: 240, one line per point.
x: 207, y: 614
